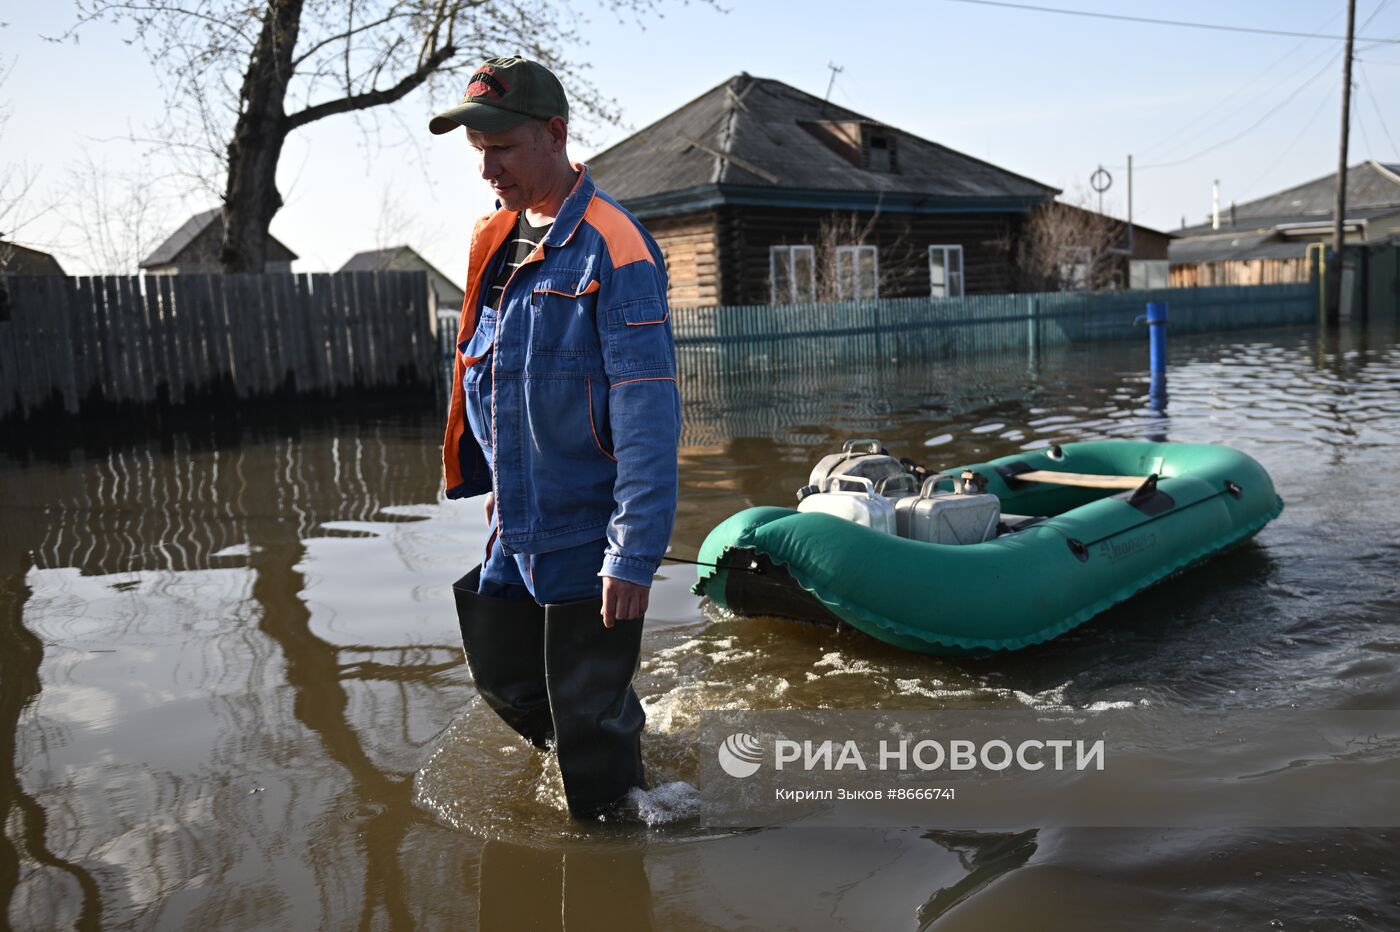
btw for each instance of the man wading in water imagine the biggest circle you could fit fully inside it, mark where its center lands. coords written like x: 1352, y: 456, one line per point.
x: 565, y: 414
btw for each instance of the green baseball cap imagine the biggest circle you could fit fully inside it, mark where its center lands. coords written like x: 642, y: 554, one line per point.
x: 503, y: 93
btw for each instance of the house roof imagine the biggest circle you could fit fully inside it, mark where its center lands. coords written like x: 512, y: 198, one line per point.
x: 745, y: 138
x: 406, y: 259
x: 393, y: 258
x: 1225, y: 247
x: 21, y: 260
x: 1373, y: 189
x: 178, y: 241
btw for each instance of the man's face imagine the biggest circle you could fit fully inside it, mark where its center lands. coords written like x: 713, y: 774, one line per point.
x: 521, y: 163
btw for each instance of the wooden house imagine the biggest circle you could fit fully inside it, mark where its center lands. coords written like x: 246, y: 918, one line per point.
x: 760, y: 193
x: 194, y: 248
x: 1266, y: 241
x: 21, y: 260
x: 448, y: 294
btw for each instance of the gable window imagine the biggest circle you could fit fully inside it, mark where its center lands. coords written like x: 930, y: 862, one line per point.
x: 945, y: 271
x: 857, y: 273
x: 792, y: 274
x: 879, y: 155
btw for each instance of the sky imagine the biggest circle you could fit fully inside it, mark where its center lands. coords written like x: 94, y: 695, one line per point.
x: 1048, y: 96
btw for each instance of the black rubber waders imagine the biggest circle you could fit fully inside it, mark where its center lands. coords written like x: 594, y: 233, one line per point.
x: 598, y: 718
x: 554, y: 673
x: 504, y: 643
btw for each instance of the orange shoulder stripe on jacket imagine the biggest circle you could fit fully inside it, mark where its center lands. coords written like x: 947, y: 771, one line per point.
x: 623, y: 240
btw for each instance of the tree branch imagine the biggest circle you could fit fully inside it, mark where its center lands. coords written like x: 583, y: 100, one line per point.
x: 372, y: 98
x: 363, y: 27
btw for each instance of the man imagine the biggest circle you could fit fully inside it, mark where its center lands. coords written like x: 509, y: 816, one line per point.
x: 565, y: 413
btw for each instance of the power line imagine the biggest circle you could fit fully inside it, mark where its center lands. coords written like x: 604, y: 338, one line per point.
x: 1366, y: 83
x: 1364, y: 137
x: 1181, y: 137
x: 1168, y: 22
x: 1322, y: 104
x: 1203, y: 121
x: 1257, y: 123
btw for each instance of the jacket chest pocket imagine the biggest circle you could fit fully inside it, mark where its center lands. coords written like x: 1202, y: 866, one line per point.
x: 563, y: 322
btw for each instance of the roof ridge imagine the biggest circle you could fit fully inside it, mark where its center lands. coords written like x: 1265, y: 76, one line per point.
x: 661, y: 119
x: 851, y: 114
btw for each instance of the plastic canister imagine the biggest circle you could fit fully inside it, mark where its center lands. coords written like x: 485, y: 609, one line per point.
x: 960, y: 517
x: 853, y: 498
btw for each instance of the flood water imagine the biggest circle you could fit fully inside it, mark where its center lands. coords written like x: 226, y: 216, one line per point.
x: 232, y: 694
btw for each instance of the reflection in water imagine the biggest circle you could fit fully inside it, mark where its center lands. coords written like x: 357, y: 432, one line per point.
x: 231, y: 693
x: 26, y: 836
x: 985, y: 857
x: 572, y: 889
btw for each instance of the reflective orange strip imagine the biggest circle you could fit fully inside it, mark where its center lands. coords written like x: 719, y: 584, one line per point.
x: 659, y: 378
x: 649, y: 323
x: 592, y: 287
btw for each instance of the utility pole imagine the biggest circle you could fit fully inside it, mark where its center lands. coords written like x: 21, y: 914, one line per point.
x: 1130, y: 207
x: 835, y: 70
x: 1339, y: 207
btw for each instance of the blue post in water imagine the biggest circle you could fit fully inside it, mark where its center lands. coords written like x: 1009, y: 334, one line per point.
x: 1157, y: 337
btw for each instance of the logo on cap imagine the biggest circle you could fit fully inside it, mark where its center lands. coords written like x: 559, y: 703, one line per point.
x: 486, y: 84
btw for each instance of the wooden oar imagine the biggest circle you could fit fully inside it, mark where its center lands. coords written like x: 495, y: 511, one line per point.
x: 1081, y: 479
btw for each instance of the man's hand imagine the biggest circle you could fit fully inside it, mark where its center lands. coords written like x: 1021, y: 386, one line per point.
x: 490, y: 506
x: 623, y: 600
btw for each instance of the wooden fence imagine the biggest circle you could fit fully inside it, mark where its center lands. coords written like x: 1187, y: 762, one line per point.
x: 70, y: 345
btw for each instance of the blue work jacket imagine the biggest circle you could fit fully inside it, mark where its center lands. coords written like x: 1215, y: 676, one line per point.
x: 579, y: 431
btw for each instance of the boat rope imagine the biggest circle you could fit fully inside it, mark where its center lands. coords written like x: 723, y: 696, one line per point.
x: 1081, y: 548
x: 753, y: 566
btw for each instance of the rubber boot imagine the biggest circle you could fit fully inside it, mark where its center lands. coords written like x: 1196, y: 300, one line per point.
x: 504, y: 642
x: 598, y: 718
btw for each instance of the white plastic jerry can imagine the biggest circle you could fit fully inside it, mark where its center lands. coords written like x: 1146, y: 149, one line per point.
x: 964, y: 516
x: 853, y: 498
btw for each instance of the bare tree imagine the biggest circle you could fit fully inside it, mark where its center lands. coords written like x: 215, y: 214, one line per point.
x: 18, y: 208
x: 897, y: 263
x: 114, y: 216
x: 241, y: 76
x: 1065, y: 247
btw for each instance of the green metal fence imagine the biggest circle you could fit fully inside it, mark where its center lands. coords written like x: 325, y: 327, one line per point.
x: 725, y: 340
x: 802, y: 335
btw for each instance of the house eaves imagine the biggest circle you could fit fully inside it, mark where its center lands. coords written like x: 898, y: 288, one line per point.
x: 704, y: 197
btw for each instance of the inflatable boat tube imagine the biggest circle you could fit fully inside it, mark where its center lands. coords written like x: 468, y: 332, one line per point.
x: 1065, y: 554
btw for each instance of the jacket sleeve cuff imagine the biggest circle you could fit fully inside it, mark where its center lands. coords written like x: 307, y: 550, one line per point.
x: 628, y: 569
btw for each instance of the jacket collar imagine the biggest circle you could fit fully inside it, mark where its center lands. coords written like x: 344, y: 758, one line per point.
x: 566, y: 222
x: 573, y: 209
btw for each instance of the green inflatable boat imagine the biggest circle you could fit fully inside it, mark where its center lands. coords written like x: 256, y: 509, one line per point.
x: 1084, y: 527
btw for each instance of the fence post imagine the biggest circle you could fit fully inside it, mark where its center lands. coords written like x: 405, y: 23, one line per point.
x: 1032, y: 329
x: 1157, y: 354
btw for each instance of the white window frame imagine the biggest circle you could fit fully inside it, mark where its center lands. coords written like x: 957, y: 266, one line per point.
x: 788, y: 255
x: 953, y: 281
x: 851, y: 256
x: 1076, y: 267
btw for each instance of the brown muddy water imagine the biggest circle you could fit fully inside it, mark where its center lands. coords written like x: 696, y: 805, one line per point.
x: 232, y: 695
